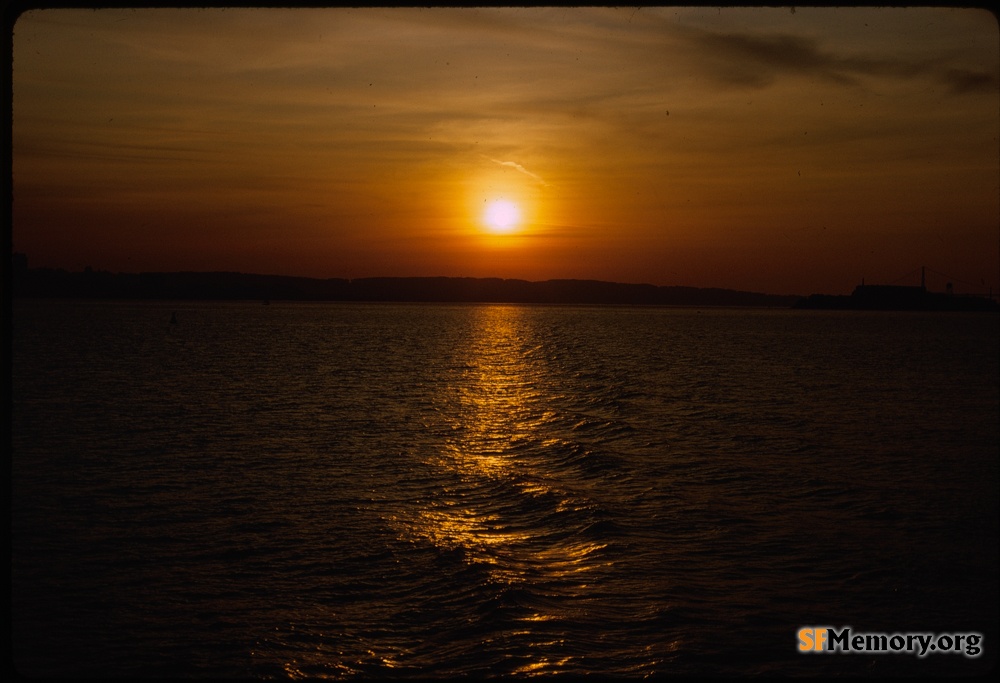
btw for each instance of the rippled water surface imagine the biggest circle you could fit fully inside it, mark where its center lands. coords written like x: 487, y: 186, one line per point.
x: 376, y: 490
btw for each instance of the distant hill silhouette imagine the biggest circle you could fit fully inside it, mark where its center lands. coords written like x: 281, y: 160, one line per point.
x: 91, y: 284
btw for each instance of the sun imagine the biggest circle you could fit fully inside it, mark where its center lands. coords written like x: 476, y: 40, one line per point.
x: 502, y: 216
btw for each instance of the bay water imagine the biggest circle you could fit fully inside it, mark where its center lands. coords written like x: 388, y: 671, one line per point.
x: 359, y: 491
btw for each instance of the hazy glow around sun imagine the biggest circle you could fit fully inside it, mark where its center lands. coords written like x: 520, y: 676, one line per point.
x: 502, y: 216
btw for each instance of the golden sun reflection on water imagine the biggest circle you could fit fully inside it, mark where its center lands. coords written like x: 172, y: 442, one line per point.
x: 492, y: 407
x: 508, y: 507
x: 497, y: 405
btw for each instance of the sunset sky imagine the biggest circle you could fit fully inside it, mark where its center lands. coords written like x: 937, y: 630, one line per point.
x: 772, y: 150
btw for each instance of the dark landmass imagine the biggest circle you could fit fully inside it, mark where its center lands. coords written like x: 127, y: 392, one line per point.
x: 895, y: 298
x: 93, y: 284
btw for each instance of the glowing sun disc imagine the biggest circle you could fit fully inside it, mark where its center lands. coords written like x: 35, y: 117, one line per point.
x: 502, y: 215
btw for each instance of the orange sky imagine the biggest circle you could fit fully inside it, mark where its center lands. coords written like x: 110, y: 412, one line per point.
x: 770, y: 150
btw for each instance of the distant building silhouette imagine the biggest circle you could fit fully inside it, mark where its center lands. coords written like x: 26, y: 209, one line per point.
x: 900, y: 298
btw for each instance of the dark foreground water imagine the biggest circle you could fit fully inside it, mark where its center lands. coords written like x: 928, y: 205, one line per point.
x: 368, y: 491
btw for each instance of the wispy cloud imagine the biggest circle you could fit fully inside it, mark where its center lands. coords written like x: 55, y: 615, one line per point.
x: 758, y: 60
x: 963, y: 81
x: 518, y: 167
